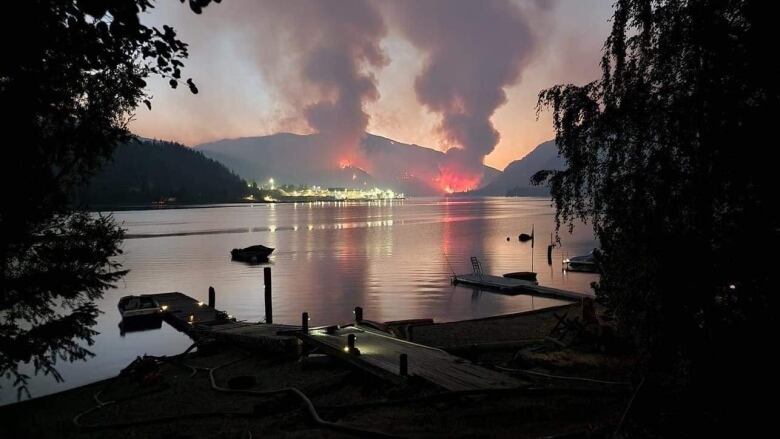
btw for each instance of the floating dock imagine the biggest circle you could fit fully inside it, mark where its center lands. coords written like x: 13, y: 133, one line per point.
x: 512, y: 286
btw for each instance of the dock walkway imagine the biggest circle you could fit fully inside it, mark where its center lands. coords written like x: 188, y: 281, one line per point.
x: 380, y: 354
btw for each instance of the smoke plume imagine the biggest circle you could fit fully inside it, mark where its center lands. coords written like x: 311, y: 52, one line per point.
x: 336, y: 43
x: 473, y: 51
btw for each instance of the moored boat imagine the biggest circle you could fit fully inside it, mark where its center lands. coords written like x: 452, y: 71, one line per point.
x: 586, y: 263
x: 253, y: 254
x: 139, y: 306
x: 523, y: 275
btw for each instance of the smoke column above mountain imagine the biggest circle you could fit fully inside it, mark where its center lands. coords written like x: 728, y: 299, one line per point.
x: 331, y: 48
x: 473, y: 51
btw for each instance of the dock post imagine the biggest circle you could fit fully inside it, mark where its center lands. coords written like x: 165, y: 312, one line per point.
x: 351, y: 342
x: 358, y: 314
x: 305, y: 322
x: 403, y: 365
x: 212, y: 298
x: 549, y: 254
x: 269, y: 310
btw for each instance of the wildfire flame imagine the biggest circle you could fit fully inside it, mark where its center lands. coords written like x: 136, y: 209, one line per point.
x: 450, y: 181
x: 345, y: 163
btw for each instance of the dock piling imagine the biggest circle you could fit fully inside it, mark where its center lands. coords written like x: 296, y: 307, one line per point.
x: 305, y: 322
x: 269, y: 312
x: 403, y: 365
x: 358, y: 314
x: 351, y: 343
x: 212, y: 298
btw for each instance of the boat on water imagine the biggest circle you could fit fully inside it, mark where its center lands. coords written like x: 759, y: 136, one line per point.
x: 133, y: 307
x: 523, y: 275
x: 253, y: 254
x: 584, y: 263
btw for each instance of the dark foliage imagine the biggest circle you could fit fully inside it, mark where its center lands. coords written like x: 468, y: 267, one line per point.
x: 142, y: 172
x: 666, y: 159
x: 68, y: 84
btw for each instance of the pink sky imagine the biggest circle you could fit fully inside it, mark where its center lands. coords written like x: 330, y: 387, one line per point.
x: 246, y: 73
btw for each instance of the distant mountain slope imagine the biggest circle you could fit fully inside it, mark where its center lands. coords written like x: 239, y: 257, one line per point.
x: 515, y: 180
x: 298, y: 159
x: 148, y: 171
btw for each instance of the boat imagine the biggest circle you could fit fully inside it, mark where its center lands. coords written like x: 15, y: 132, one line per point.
x: 524, y: 237
x: 523, y: 275
x: 585, y: 263
x: 139, y: 306
x: 253, y: 254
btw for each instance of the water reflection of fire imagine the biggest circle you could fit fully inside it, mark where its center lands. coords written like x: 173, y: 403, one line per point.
x: 345, y: 163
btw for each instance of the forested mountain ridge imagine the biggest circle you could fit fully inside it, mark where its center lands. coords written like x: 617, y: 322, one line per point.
x: 146, y: 171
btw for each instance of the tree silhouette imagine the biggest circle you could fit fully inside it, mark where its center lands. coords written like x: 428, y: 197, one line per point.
x: 68, y: 87
x: 666, y: 158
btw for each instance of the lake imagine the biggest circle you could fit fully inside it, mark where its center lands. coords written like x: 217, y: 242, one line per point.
x: 393, y: 258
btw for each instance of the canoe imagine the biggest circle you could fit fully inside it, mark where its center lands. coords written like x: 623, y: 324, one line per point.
x: 524, y: 275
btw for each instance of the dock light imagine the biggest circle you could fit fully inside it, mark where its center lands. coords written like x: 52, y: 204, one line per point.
x: 201, y: 303
x: 192, y: 318
x: 164, y: 307
x: 733, y: 287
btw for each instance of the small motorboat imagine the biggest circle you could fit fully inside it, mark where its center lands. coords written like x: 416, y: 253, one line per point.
x: 523, y: 275
x: 253, y: 254
x: 585, y: 263
x: 524, y: 237
x: 139, y: 306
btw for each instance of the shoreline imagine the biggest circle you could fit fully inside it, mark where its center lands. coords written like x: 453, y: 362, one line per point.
x: 185, y: 401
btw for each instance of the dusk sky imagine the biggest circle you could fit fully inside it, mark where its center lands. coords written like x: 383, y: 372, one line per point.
x: 259, y: 68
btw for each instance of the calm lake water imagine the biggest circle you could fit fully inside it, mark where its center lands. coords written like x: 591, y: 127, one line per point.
x: 393, y: 258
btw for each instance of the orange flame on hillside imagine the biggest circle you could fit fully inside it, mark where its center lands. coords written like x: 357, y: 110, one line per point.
x: 451, y: 181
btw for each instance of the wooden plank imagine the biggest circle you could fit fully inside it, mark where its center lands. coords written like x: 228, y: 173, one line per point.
x: 517, y: 286
x: 379, y: 354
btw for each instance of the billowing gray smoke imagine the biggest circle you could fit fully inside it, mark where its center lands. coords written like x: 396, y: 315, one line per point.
x: 337, y: 41
x: 474, y: 49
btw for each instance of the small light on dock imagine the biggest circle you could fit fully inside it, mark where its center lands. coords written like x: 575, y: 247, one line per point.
x: 201, y: 303
x: 164, y: 307
x: 192, y: 318
x: 346, y: 349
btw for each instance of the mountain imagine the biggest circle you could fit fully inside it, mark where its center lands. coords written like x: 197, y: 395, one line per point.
x: 146, y: 171
x: 515, y: 180
x: 300, y: 159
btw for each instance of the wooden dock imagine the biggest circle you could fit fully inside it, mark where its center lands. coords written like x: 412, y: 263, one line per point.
x: 198, y: 320
x: 509, y: 285
x: 380, y: 355
x: 379, y: 352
